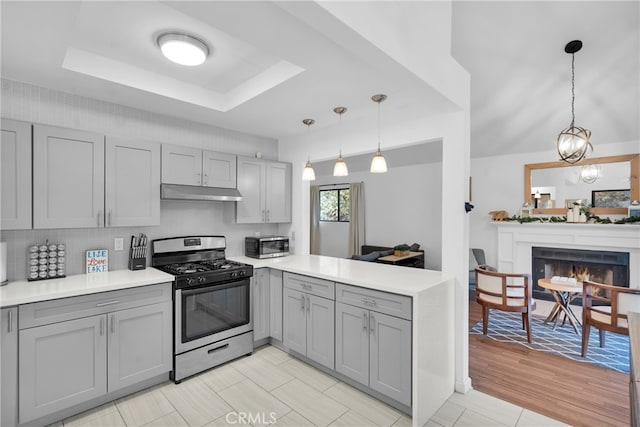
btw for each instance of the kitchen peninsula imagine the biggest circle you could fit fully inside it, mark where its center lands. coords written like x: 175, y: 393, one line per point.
x: 428, y: 294
x: 432, y: 314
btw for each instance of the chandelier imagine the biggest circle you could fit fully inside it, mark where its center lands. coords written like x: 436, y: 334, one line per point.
x: 573, y: 142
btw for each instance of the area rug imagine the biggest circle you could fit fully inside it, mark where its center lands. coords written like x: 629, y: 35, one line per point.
x: 564, y: 342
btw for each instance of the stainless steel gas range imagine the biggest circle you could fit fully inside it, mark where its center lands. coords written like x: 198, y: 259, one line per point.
x: 212, y: 302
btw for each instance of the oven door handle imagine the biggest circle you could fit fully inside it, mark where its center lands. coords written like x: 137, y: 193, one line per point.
x: 215, y: 286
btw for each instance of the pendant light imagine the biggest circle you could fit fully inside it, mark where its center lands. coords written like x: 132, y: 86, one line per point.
x: 308, y: 174
x: 378, y: 163
x: 573, y: 142
x: 589, y: 173
x: 340, y: 168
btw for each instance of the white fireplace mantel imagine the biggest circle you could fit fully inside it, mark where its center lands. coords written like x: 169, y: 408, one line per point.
x: 515, y: 241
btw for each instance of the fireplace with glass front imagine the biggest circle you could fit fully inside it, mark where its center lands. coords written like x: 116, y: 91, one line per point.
x: 608, y: 267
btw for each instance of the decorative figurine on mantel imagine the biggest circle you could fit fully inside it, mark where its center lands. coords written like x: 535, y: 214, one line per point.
x: 499, y: 215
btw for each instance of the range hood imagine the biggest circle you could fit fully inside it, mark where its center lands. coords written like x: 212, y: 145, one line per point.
x: 194, y: 192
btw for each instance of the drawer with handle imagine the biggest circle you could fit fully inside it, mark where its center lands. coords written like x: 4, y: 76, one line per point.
x: 311, y: 285
x: 59, y: 310
x: 382, y: 302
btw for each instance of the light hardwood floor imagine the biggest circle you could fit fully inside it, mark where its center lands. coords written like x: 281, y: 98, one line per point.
x: 576, y: 393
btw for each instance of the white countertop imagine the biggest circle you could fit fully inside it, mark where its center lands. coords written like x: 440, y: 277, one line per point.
x: 24, y: 292
x: 383, y: 277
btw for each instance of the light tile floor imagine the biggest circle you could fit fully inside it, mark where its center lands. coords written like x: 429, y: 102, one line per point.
x: 270, y: 387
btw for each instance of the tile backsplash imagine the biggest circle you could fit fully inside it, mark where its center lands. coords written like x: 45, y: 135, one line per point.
x: 178, y: 218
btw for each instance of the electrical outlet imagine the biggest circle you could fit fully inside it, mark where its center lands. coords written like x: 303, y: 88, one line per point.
x: 256, y: 234
x: 118, y: 244
x: 293, y: 236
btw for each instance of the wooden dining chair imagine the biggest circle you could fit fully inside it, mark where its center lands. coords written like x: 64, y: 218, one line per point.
x: 611, y: 314
x: 506, y: 292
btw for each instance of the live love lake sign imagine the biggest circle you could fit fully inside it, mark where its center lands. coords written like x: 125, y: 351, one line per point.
x: 97, y: 261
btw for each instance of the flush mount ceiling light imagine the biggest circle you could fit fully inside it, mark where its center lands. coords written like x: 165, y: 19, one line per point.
x: 340, y: 168
x: 573, y: 142
x: 183, y: 49
x: 308, y: 174
x: 378, y: 163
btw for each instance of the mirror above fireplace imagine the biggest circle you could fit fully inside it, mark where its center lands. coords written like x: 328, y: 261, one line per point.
x: 550, y: 186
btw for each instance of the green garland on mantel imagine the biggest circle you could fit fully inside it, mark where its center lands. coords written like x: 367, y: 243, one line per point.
x: 591, y: 219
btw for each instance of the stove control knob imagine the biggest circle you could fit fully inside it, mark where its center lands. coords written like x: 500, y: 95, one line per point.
x: 201, y: 279
x: 191, y: 281
x: 234, y: 274
x: 241, y: 273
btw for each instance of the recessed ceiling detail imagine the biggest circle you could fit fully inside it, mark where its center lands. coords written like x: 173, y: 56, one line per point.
x: 108, y: 47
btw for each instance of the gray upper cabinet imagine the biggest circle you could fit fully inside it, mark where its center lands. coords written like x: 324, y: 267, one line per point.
x: 181, y: 165
x: 266, y: 191
x: 251, y: 184
x: 9, y: 366
x: 15, y: 175
x: 219, y: 169
x: 308, y: 319
x: 260, y: 298
x: 193, y: 166
x: 132, y: 183
x: 68, y: 178
x: 278, y: 192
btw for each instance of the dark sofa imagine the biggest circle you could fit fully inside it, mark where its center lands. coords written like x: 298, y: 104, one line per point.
x: 372, y: 253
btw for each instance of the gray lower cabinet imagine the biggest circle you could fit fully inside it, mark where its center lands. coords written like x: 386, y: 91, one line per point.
x: 308, y: 326
x: 61, y: 365
x: 76, y: 349
x: 139, y: 346
x: 275, y: 304
x: 374, y: 348
x: 9, y: 366
x: 260, y: 298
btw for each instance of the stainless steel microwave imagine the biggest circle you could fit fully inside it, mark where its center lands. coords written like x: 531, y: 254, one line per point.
x: 266, y: 246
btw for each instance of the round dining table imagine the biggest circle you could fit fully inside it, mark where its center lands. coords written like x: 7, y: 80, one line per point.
x: 563, y: 294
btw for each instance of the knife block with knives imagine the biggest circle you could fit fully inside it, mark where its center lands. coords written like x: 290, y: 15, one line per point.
x: 138, y: 252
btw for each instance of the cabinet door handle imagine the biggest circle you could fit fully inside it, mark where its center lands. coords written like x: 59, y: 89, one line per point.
x: 267, y: 215
x: 113, y: 324
x: 206, y: 179
x: 364, y: 321
x: 99, y: 216
x: 263, y: 217
x: 308, y: 305
x: 102, y: 326
x: 10, y: 321
x: 302, y: 302
x: 102, y: 304
x: 372, y: 325
x: 109, y: 218
x: 198, y: 176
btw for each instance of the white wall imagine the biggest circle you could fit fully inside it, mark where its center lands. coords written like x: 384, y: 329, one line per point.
x: 334, y: 239
x: 498, y: 184
x: 401, y: 206
x: 178, y: 218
